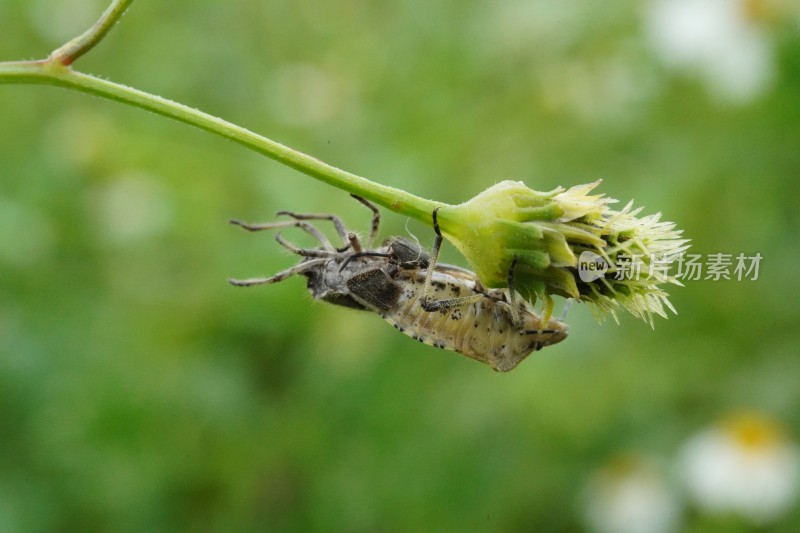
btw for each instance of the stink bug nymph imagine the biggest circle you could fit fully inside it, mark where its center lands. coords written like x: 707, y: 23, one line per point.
x: 440, y: 305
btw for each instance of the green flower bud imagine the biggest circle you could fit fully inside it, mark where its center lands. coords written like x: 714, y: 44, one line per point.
x: 548, y: 231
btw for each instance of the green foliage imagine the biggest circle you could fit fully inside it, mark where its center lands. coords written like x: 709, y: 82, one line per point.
x: 140, y: 392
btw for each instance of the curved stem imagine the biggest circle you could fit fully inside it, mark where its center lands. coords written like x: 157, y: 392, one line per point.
x: 71, y: 51
x: 50, y: 73
x: 55, y: 71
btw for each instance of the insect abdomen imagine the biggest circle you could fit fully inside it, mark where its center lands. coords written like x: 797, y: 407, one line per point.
x: 480, y: 330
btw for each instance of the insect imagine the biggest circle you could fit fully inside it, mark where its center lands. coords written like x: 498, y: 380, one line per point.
x: 441, y: 305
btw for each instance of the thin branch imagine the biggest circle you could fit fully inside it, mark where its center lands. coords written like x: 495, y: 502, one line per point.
x: 56, y: 71
x: 47, y: 73
x: 71, y: 51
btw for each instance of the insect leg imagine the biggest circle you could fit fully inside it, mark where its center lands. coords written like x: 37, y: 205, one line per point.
x: 439, y: 305
x: 545, y: 320
x: 305, y: 252
x: 337, y: 223
x: 280, y: 276
x: 305, y: 226
x: 442, y: 305
x: 376, y: 218
x: 354, y: 242
x: 516, y: 318
x: 437, y: 244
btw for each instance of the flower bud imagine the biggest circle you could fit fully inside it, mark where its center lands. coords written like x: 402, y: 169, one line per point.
x: 548, y: 231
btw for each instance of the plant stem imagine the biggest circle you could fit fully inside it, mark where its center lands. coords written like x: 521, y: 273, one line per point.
x: 49, y: 73
x: 56, y: 71
x: 71, y: 51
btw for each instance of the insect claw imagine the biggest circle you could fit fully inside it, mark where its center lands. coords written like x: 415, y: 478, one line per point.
x: 436, y: 222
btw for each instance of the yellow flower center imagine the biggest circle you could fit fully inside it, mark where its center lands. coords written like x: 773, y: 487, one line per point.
x: 753, y: 431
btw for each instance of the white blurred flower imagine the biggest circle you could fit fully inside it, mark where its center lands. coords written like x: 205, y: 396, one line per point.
x: 721, y: 41
x: 630, y: 495
x: 744, y: 466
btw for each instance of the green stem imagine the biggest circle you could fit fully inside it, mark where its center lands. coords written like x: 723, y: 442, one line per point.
x: 50, y: 73
x: 71, y: 51
x: 56, y: 71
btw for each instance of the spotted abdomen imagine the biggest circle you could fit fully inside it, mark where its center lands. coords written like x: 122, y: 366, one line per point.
x: 482, y: 330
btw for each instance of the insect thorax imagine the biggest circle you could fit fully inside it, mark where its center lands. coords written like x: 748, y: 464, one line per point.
x: 325, y: 282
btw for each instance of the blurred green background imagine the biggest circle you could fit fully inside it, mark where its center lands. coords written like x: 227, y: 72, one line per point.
x: 140, y: 392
